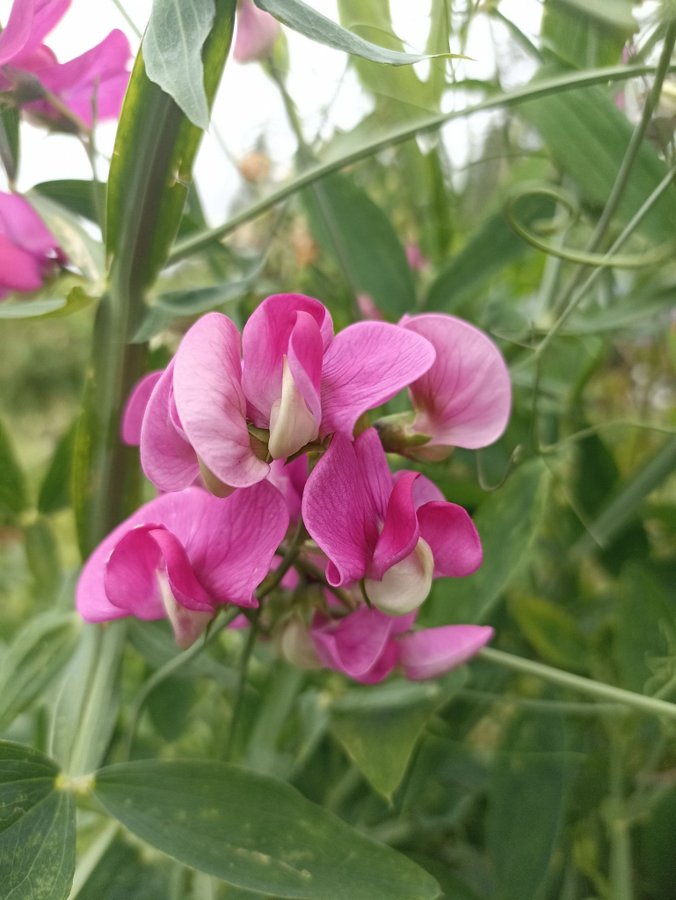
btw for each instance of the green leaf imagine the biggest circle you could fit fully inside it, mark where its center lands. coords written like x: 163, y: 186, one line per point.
x: 317, y: 27
x: 13, y: 493
x: 357, y: 233
x: 587, y: 125
x: 379, y: 727
x: 507, y: 522
x: 44, y: 307
x: 37, y: 827
x: 551, y: 631
x: 42, y: 556
x: 10, y: 141
x: 172, y: 50
x: 82, y: 250
x: 123, y: 874
x: 35, y: 658
x: 526, y: 804
x: 588, y: 34
x: 254, y: 832
x: 79, y: 196
x: 55, y: 488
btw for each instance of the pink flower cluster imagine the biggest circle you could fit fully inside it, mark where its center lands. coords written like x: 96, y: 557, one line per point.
x: 272, y: 424
x: 94, y: 82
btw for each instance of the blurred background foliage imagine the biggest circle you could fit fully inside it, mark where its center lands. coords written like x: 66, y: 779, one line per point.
x: 500, y: 784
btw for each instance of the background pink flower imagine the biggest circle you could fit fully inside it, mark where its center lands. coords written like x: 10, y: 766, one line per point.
x: 29, y: 252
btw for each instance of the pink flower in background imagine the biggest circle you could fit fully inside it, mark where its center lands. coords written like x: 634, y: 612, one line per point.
x: 396, y: 534
x: 29, y: 252
x: 94, y: 82
x: 415, y: 258
x: 367, y: 645
x: 183, y: 555
x: 292, y: 378
x: 256, y: 33
x: 464, y: 399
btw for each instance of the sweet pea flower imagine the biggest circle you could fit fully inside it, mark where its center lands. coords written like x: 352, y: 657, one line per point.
x: 367, y: 645
x: 293, y: 380
x: 256, y: 34
x: 183, y: 555
x: 29, y: 252
x: 464, y: 398
x: 94, y: 81
x: 395, y: 534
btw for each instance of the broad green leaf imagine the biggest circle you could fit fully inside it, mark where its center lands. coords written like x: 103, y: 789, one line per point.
x: 42, y: 307
x: 54, y: 491
x: 34, y: 660
x: 254, y: 832
x: 617, y: 13
x: 645, y: 628
x: 526, y: 805
x: 10, y: 142
x: 314, y: 25
x: 172, y: 50
x: 42, y: 556
x: 551, y: 631
x: 123, y: 874
x: 379, y: 727
x: 79, y: 196
x: 492, y: 248
x: 13, y: 492
x: 587, y: 125
x: 81, y: 249
x: 356, y: 232
x: 37, y: 827
x: 507, y: 522
x: 588, y: 34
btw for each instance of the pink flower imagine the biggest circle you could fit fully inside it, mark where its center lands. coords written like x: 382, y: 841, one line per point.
x: 256, y: 34
x: 415, y: 258
x: 395, y: 534
x: 93, y: 82
x: 293, y: 379
x: 29, y: 253
x: 464, y: 398
x: 183, y: 555
x: 367, y: 645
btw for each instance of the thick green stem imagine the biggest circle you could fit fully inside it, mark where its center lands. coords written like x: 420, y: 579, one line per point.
x: 596, y: 689
x: 243, y: 672
x: 621, y: 879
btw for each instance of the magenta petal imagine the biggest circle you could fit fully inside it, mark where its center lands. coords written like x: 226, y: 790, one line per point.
x: 365, y: 366
x: 464, y: 399
x: 452, y: 538
x: 135, y: 407
x: 256, y: 33
x: 19, y: 270
x: 185, y: 586
x: 355, y: 644
x: 29, y: 21
x: 130, y: 574
x: 232, y: 542
x: 400, y: 532
x: 289, y: 478
x: 265, y: 342
x: 167, y: 458
x: 24, y: 227
x: 344, y: 503
x: 210, y: 402
x: 433, y: 651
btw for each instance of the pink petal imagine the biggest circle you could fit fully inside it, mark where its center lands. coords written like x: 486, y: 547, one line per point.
x: 25, y: 229
x: 344, y: 503
x: 400, y: 531
x: 210, y: 401
x: 365, y: 366
x: 265, y: 341
x: 464, y: 399
x: 29, y: 21
x: 289, y: 478
x: 452, y: 537
x: 167, y: 458
x: 355, y: 644
x: 430, y: 653
x: 135, y: 407
x: 19, y: 270
x: 256, y: 33
x: 95, y: 80
x: 130, y: 574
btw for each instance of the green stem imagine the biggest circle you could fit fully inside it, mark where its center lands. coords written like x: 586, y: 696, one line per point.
x: 597, y: 689
x: 243, y: 672
x: 621, y: 880
x: 397, y: 135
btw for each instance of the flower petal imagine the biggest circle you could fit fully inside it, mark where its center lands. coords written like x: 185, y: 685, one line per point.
x: 283, y: 325
x: 355, y: 644
x: 210, y: 401
x: 464, y: 399
x: 344, y: 503
x: 433, y: 651
x: 167, y: 458
x: 29, y: 21
x: 256, y: 33
x: 135, y: 407
x: 452, y: 537
x: 365, y: 366
x: 400, y: 532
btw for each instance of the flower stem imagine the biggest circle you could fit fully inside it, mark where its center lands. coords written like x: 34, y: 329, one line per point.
x: 243, y: 672
x: 597, y: 689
